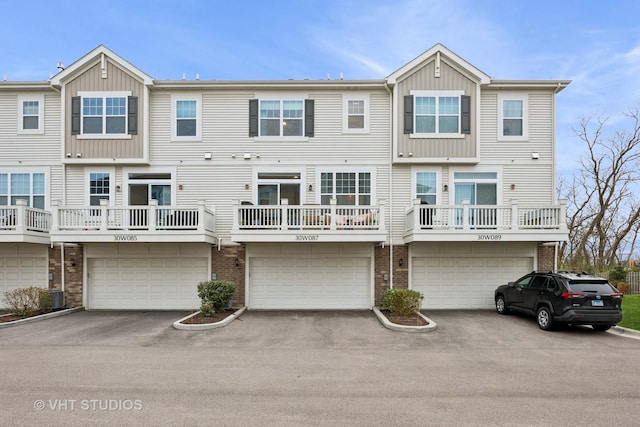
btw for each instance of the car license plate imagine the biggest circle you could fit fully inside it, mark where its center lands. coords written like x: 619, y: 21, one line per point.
x: 597, y: 303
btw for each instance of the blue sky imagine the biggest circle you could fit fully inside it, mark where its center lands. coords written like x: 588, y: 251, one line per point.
x: 595, y: 44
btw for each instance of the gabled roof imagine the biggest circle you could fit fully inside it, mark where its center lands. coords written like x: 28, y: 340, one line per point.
x: 92, y: 57
x: 428, y: 56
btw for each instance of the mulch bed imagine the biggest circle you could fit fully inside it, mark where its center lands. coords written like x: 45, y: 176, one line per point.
x: 200, y: 319
x: 412, y: 320
x: 11, y: 318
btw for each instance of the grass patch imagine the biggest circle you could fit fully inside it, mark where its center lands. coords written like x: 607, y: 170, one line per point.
x: 631, y: 312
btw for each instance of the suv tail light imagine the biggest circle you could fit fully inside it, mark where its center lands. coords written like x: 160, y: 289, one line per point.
x: 617, y: 295
x: 567, y: 295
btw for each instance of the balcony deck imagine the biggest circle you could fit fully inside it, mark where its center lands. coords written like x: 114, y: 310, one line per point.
x: 149, y: 223
x: 23, y: 224
x: 308, y: 223
x: 432, y: 223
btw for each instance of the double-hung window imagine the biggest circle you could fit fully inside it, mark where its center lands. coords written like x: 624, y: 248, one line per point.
x: 104, y: 114
x: 26, y: 186
x: 187, y: 117
x: 512, y: 117
x: 30, y: 109
x: 281, y: 117
x: 437, y: 114
x: 355, y: 113
x: 348, y: 188
x: 99, y: 187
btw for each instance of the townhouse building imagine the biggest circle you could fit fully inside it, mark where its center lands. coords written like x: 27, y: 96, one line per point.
x: 124, y: 191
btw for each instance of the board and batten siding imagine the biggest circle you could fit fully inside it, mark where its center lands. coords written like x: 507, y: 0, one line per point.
x: 117, y: 80
x: 450, y: 79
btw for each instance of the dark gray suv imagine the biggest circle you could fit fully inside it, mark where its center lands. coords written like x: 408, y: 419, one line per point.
x: 562, y: 297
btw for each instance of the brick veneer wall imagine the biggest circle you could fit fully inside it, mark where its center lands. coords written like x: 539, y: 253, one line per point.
x: 546, y: 257
x: 73, y: 273
x: 223, y: 264
x: 400, y: 273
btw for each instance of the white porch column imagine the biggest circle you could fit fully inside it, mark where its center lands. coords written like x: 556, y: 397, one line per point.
x: 153, y: 214
x: 514, y: 214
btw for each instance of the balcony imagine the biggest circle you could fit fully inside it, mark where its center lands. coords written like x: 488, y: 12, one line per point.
x: 150, y: 223
x: 308, y: 223
x: 466, y: 222
x: 23, y: 224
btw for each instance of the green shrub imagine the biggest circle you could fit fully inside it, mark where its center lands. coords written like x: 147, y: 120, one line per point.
x: 401, y: 301
x: 28, y: 301
x: 618, y: 274
x: 215, y: 296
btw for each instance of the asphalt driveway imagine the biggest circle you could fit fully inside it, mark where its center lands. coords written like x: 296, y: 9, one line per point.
x: 314, y: 368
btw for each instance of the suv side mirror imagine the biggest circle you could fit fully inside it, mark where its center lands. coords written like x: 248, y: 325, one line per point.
x: 511, y: 284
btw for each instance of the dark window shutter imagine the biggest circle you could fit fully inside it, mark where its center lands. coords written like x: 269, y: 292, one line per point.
x: 308, y: 117
x: 465, y: 114
x: 133, y: 114
x: 408, y: 114
x: 253, y: 117
x: 75, y: 115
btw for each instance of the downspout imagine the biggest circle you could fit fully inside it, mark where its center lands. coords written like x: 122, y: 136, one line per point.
x: 390, y: 204
x: 62, y: 267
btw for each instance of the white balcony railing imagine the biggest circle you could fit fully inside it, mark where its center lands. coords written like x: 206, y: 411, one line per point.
x: 21, y: 218
x: 308, y: 217
x: 483, y: 217
x: 133, y: 218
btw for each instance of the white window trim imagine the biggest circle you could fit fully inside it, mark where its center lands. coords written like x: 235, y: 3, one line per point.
x: 497, y: 170
x: 103, y: 94
x: 281, y: 96
x: 31, y: 171
x: 437, y: 93
x: 21, y: 100
x: 414, y: 182
x: 112, y: 185
x: 355, y: 169
x: 154, y: 169
x: 174, y: 119
x: 345, y: 112
x: 525, y: 113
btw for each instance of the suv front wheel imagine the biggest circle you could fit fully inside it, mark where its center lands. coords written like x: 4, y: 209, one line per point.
x: 501, y: 305
x: 544, y: 318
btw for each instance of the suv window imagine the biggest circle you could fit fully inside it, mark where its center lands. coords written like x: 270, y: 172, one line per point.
x: 591, y: 287
x: 524, y: 282
x: 539, y: 282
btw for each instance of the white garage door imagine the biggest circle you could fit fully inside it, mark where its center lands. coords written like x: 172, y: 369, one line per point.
x: 145, y: 283
x: 22, y: 266
x: 310, y: 283
x: 464, y: 282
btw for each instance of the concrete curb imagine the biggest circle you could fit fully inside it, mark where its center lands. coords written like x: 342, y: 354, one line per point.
x: 625, y: 332
x: 204, y: 326
x: 40, y: 317
x: 402, y: 328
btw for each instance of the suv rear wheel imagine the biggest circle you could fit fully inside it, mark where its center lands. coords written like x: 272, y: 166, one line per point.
x: 544, y: 318
x: 501, y: 305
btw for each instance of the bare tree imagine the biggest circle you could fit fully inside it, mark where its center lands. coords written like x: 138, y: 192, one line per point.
x: 603, y: 209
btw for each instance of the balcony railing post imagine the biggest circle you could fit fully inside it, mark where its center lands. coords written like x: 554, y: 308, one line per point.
x: 55, y: 215
x: 104, y: 214
x: 284, y: 221
x: 416, y: 214
x: 235, y: 225
x: 465, y: 214
x: 562, y: 221
x: 514, y: 214
x: 333, y: 204
x: 201, y: 211
x: 21, y: 215
x: 153, y: 214
x: 381, y: 213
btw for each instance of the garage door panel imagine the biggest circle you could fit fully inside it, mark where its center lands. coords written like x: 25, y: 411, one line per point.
x: 464, y: 282
x: 22, y: 272
x: 309, y: 283
x: 153, y: 283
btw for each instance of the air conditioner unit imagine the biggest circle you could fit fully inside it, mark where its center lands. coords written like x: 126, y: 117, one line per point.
x: 57, y: 299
